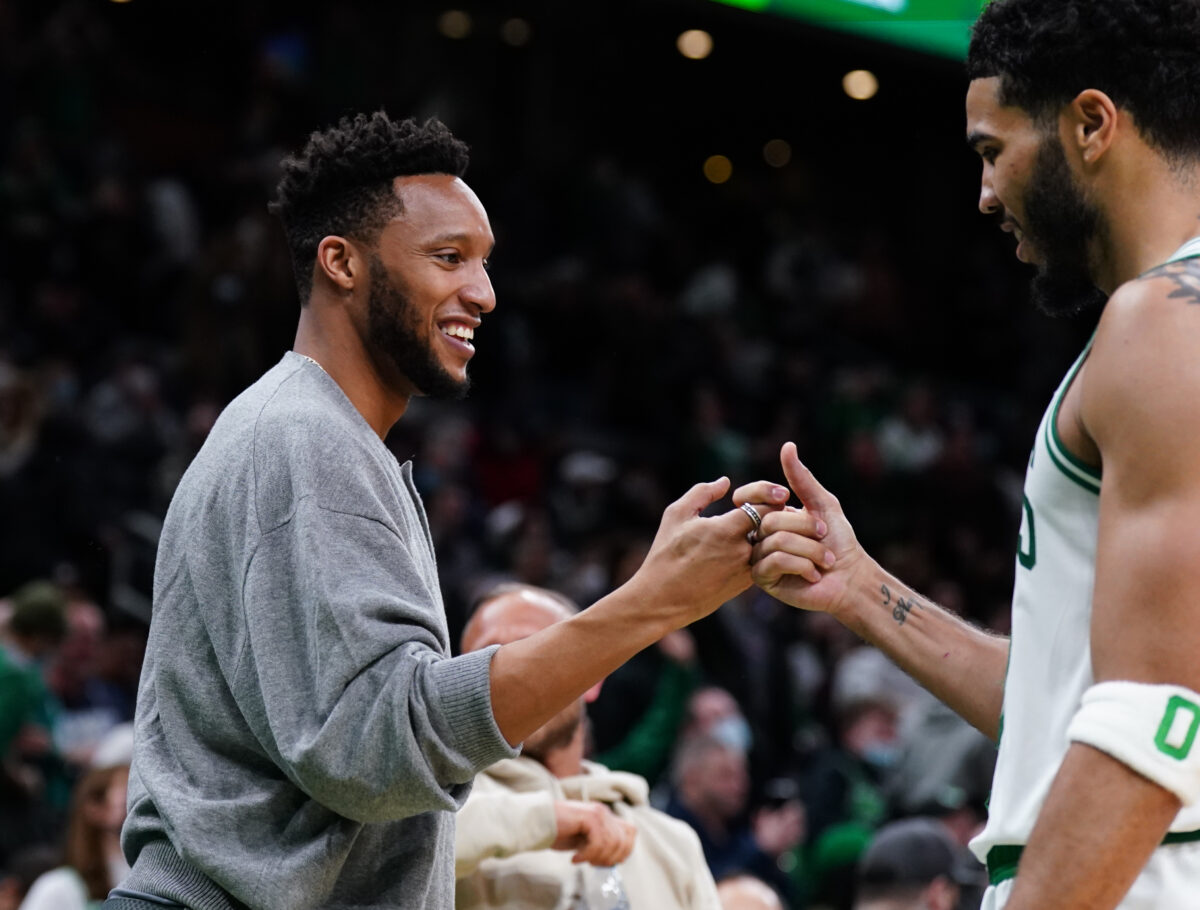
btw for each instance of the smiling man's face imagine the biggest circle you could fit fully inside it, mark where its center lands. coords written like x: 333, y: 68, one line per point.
x: 429, y: 284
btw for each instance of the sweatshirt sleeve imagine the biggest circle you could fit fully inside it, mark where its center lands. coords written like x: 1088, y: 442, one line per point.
x: 342, y: 674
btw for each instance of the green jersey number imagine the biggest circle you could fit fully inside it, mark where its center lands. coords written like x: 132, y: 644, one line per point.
x: 1027, y: 545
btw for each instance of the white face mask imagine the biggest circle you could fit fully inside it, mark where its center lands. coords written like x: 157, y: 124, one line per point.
x: 734, y: 732
x: 882, y: 754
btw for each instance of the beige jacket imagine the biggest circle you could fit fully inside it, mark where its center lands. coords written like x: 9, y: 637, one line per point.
x: 507, y: 825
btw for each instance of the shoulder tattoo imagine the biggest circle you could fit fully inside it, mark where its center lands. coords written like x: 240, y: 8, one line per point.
x: 1184, y: 275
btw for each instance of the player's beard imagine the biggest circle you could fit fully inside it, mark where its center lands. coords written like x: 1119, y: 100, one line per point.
x: 1060, y: 223
x: 396, y: 330
x: 554, y: 734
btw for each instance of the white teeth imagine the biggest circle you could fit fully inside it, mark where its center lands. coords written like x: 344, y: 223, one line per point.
x: 459, y: 331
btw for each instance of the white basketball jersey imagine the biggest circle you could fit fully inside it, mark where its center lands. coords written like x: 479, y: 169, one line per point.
x: 1049, y: 663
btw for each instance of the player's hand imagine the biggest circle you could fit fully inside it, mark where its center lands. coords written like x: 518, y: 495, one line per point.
x: 805, y: 557
x: 592, y: 830
x: 697, y: 563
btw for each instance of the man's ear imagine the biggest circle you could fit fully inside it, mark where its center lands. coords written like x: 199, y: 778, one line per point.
x: 1092, y: 119
x: 941, y: 894
x: 341, y: 262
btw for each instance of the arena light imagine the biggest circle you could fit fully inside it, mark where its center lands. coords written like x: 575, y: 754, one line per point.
x: 454, y: 23
x: 516, y: 32
x: 777, y: 153
x: 861, y: 85
x: 717, y: 168
x: 695, y: 44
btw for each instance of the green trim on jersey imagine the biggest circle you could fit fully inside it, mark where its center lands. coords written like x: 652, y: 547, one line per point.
x: 1189, y: 250
x: 1002, y: 859
x: 1071, y: 465
x: 1075, y: 468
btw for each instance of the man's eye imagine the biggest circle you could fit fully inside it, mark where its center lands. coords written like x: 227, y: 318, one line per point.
x: 487, y: 265
x: 452, y: 258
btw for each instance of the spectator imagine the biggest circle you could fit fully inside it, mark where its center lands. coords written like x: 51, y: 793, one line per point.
x: 945, y: 770
x: 646, y: 748
x: 745, y: 892
x: 21, y: 870
x: 93, y: 863
x: 87, y: 713
x: 28, y: 710
x: 910, y: 865
x: 711, y: 793
x: 527, y: 815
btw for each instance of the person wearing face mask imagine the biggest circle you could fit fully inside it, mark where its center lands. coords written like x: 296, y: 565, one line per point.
x: 843, y: 787
x: 712, y: 711
x: 844, y: 783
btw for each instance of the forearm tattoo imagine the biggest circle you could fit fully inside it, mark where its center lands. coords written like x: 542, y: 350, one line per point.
x: 902, y: 607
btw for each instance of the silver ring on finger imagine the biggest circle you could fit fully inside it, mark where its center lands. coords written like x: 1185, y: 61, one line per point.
x: 752, y: 535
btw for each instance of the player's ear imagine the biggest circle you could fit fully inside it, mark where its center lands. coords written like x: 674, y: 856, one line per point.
x: 1092, y: 118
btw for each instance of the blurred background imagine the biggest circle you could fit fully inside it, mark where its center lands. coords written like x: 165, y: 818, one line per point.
x: 720, y: 226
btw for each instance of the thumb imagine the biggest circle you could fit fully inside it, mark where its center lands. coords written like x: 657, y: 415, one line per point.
x: 803, y: 483
x: 701, y: 496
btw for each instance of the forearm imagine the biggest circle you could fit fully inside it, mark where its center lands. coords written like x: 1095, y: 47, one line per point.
x: 962, y: 665
x: 1099, y: 825
x: 536, y: 677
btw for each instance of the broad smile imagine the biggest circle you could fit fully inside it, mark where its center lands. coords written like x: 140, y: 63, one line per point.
x: 460, y: 336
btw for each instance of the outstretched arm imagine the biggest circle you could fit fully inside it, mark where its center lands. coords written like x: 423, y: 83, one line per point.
x: 694, y: 565
x: 1141, y: 405
x: 811, y: 559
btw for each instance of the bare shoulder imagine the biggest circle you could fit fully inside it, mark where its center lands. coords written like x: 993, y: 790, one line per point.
x: 1149, y: 319
x: 1141, y: 395
x: 1179, y: 281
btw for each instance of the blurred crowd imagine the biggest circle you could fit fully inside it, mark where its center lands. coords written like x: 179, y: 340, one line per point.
x: 650, y: 333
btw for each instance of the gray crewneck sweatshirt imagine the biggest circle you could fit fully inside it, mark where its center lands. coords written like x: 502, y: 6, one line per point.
x: 303, y: 738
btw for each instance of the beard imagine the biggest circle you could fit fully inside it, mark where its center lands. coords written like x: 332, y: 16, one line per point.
x: 392, y: 324
x: 554, y: 734
x: 1060, y: 223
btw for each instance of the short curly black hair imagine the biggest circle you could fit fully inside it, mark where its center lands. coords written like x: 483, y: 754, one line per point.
x: 1144, y: 54
x: 341, y: 183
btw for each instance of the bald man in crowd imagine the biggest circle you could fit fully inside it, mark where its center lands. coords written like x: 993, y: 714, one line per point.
x: 745, y: 892
x: 547, y: 827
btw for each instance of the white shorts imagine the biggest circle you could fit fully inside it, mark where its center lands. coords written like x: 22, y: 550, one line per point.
x: 1170, y: 881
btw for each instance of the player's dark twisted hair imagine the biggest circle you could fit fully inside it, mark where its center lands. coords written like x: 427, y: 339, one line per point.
x: 341, y: 183
x: 1144, y: 54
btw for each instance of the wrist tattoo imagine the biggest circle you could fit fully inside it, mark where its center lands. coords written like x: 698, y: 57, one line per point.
x: 902, y: 607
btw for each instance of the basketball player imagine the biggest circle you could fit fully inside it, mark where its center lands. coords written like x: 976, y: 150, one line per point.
x: 1086, y: 114
x: 303, y: 736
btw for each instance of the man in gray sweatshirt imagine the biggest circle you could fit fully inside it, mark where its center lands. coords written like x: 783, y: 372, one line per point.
x: 303, y: 735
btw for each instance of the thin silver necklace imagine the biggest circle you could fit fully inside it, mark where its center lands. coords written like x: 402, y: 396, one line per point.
x: 314, y: 363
